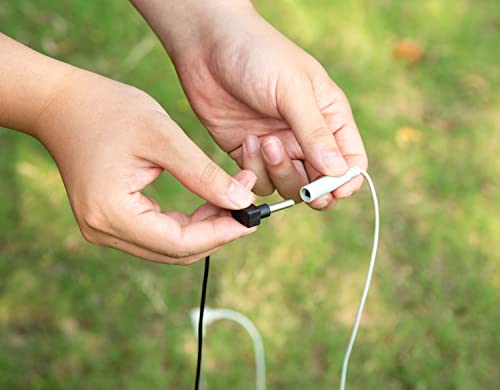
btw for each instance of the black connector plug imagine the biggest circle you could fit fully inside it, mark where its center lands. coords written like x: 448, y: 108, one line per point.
x: 251, y: 215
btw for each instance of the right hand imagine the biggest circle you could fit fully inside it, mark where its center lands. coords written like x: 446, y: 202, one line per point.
x: 110, y: 141
x: 266, y: 102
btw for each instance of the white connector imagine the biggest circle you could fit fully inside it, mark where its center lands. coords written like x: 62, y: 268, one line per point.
x: 326, y: 184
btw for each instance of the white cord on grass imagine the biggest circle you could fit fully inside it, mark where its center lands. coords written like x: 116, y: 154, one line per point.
x: 212, y: 315
x: 367, y: 281
x: 321, y: 187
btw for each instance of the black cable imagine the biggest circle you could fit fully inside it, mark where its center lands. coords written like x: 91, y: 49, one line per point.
x: 200, y: 322
x: 249, y: 217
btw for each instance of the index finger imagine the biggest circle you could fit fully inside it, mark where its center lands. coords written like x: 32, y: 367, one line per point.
x: 178, y: 235
x: 297, y: 103
x: 165, y: 235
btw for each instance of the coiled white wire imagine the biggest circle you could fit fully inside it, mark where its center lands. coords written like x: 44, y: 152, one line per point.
x: 367, y: 281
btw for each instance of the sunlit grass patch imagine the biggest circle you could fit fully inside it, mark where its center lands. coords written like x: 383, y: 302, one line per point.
x: 72, y: 314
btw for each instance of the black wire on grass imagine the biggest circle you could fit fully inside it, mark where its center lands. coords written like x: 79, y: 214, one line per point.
x: 200, y: 322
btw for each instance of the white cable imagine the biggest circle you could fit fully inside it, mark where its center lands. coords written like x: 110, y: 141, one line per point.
x: 367, y: 282
x: 212, y: 315
x: 308, y: 193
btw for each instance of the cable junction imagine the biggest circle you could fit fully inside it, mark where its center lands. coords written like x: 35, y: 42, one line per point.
x: 251, y: 216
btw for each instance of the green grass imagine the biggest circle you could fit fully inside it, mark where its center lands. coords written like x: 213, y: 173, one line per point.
x: 76, y: 316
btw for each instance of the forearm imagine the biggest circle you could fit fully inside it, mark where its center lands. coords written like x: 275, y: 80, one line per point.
x: 28, y: 81
x: 186, y: 25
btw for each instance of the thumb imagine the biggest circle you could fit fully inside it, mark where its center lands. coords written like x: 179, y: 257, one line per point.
x: 180, y: 156
x: 300, y: 109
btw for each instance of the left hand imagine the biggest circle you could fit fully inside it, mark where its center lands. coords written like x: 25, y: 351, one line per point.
x: 110, y: 142
x: 270, y: 105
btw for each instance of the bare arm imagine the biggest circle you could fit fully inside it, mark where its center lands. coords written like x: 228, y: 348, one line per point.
x: 266, y: 102
x: 110, y: 141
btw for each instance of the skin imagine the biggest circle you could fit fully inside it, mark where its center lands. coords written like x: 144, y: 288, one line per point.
x: 264, y: 100
x: 110, y: 141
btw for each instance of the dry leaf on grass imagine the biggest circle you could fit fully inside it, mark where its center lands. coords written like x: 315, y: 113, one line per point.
x: 406, y: 136
x: 408, y: 50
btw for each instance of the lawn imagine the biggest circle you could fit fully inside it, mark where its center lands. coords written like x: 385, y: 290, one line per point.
x: 423, y: 79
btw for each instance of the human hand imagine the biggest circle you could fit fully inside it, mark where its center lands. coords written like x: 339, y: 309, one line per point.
x: 266, y: 102
x: 110, y: 141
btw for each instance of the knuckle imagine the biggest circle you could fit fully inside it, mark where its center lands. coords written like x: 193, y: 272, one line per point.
x: 283, y: 175
x: 319, y: 136
x: 174, y: 261
x: 364, y: 163
x: 359, y: 160
x: 185, y: 250
x: 190, y: 260
x: 177, y: 248
x: 264, y: 191
x: 179, y: 251
x: 209, y: 174
x: 96, y: 220
x: 180, y: 254
x: 340, y: 96
x: 184, y: 257
x: 90, y: 236
x: 323, y: 204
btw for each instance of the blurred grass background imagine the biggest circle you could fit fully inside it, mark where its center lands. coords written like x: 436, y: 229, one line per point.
x: 423, y: 79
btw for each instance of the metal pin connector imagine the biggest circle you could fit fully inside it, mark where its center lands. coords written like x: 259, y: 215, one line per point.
x: 281, y: 205
x: 251, y: 215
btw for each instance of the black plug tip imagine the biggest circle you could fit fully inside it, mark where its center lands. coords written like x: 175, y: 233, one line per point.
x: 251, y: 215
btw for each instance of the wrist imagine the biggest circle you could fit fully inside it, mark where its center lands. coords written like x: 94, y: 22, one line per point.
x: 52, y: 104
x: 78, y: 96
x: 28, y: 81
x: 191, y: 27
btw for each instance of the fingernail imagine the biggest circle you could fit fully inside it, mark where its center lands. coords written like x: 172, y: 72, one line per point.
x: 272, y: 152
x: 334, y: 163
x: 251, y: 183
x: 252, y: 145
x: 348, y: 194
x: 239, y: 195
